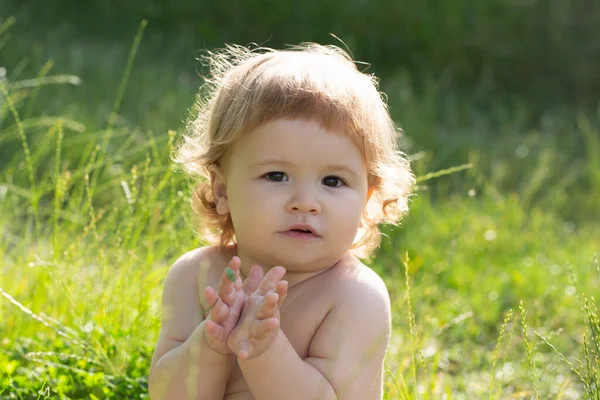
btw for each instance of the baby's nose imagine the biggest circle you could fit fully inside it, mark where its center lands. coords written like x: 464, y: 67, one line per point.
x: 305, y: 201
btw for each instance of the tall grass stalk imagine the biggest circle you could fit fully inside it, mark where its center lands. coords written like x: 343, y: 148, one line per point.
x: 40, y: 81
x: 442, y: 172
x: 43, y: 72
x: 589, y: 371
x: 401, y: 386
x: 4, y: 27
x: 507, y: 320
x: 581, y: 378
x: 44, y: 391
x: 592, y: 348
x: 531, y: 361
x: 88, y: 192
x: 27, y: 152
x: 58, y: 188
x: 48, y: 323
x: 591, y: 341
x: 414, y: 339
x: 119, y: 98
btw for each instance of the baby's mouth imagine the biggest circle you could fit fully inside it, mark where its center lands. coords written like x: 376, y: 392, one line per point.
x: 300, y: 233
x: 297, y: 233
x: 301, y: 230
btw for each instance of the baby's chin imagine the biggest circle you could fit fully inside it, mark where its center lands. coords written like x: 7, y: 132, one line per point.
x: 302, y: 261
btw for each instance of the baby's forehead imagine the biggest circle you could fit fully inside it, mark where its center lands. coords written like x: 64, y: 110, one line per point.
x: 296, y: 131
x: 296, y: 142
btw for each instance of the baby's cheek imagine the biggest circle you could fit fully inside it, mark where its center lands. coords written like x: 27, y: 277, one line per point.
x: 348, y: 217
x: 257, y: 193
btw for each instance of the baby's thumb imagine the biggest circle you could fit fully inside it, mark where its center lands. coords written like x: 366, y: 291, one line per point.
x: 253, y: 280
x: 244, y: 351
x: 212, y: 330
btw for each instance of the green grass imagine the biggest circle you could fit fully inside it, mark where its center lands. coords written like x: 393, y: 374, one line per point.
x: 484, y: 304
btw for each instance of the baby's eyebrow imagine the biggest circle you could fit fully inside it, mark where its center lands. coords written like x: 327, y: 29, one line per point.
x: 339, y: 167
x: 330, y: 167
x: 271, y: 162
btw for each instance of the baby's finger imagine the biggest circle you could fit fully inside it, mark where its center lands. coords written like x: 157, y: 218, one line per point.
x: 268, y: 307
x: 230, y: 281
x: 271, y: 279
x: 225, y: 286
x: 262, y: 327
x: 234, y: 265
x: 219, y: 312
x: 213, y: 330
x: 244, y: 351
x: 281, y: 289
x: 211, y: 297
x: 254, y: 278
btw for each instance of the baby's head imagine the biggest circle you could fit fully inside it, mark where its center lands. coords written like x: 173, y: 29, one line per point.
x: 294, y: 136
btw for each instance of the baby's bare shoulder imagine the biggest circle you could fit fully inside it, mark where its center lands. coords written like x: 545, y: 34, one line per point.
x: 183, y: 301
x: 197, y: 269
x: 199, y: 261
x: 185, y: 277
x: 195, y: 259
x: 360, y: 296
x: 356, y: 293
x: 351, y: 279
x: 355, y: 332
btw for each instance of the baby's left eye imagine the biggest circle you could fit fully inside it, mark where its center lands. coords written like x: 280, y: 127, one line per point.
x: 333, y: 181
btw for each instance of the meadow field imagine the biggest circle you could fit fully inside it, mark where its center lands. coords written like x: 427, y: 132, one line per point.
x: 492, y: 275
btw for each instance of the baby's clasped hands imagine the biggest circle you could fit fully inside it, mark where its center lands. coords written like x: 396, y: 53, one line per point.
x: 244, y: 317
x: 260, y: 320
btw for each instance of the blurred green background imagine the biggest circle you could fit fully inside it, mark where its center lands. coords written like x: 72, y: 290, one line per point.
x: 497, y: 75
x: 509, y: 86
x: 544, y: 50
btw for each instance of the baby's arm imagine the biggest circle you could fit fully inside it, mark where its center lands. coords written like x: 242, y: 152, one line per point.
x: 191, y: 360
x: 345, y: 356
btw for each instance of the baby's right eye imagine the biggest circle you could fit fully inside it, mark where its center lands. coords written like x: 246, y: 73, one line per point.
x: 276, y: 176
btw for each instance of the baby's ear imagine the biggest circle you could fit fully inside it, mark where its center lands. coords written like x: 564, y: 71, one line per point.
x: 219, y: 189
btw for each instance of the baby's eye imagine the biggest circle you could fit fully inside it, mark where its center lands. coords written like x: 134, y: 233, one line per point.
x: 276, y: 176
x: 333, y: 181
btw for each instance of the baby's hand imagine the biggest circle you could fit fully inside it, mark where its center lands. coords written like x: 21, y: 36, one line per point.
x: 226, y: 306
x: 259, y: 323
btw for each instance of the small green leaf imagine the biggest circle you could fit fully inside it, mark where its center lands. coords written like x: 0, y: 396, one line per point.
x: 230, y: 274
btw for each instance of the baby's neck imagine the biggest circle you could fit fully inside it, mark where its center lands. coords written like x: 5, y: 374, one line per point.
x: 292, y: 277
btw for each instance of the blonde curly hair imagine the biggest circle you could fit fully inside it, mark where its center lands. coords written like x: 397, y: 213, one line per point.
x: 249, y: 87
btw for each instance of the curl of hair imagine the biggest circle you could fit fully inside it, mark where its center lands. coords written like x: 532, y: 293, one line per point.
x: 248, y: 87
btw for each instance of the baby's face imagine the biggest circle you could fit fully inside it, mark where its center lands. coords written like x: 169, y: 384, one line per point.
x: 294, y: 172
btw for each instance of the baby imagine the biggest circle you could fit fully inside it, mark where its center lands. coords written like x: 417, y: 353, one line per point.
x: 301, y: 165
